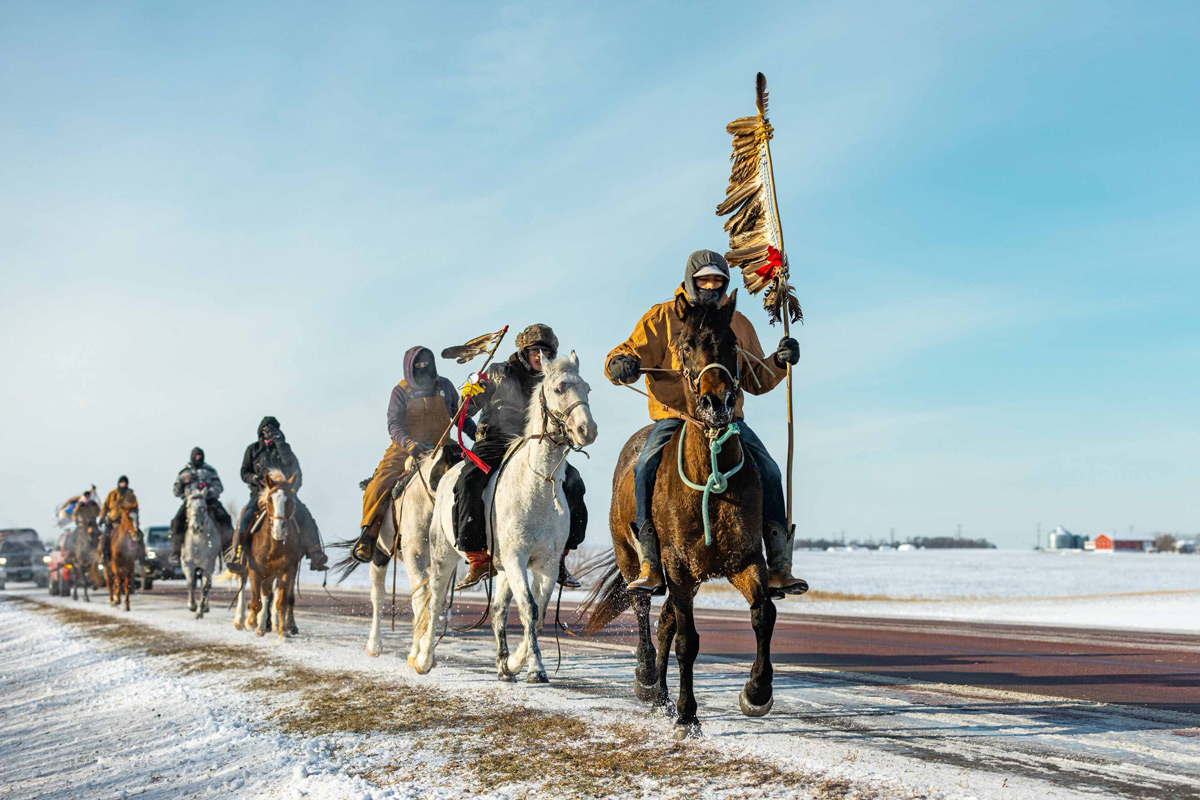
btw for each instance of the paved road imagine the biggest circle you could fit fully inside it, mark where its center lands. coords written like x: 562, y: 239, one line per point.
x: 1153, y: 670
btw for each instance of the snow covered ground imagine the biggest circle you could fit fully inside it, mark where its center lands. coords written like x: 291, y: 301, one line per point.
x: 1131, y: 591
x: 99, y: 703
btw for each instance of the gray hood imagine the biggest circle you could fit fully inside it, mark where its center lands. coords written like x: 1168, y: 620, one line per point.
x: 697, y: 260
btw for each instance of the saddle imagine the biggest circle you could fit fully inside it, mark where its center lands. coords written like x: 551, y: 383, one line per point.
x: 402, y: 482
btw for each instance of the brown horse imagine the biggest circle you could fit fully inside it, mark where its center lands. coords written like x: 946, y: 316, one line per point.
x: 121, y: 558
x: 708, y: 349
x: 273, y: 557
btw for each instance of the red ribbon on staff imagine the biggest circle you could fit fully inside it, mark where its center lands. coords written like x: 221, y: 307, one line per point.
x: 773, y: 265
x: 462, y: 420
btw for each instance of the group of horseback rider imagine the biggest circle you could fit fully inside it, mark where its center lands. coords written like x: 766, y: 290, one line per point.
x: 420, y: 412
x: 99, y: 519
x: 423, y: 405
x: 269, y: 451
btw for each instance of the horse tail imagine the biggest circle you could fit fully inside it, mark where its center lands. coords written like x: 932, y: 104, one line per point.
x: 347, y: 565
x: 607, y: 599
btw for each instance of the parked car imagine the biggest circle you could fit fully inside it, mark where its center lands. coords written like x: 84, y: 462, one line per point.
x: 158, y: 554
x: 24, y: 555
x: 3, y: 572
x: 57, y: 569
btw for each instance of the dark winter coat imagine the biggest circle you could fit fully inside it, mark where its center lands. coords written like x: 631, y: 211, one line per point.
x: 260, y: 458
x: 504, y: 400
x: 198, y: 473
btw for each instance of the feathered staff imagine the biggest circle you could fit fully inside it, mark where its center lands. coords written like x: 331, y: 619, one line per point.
x: 480, y: 345
x: 756, y: 234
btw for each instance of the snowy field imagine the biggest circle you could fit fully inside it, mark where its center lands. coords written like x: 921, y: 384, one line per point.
x: 1132, y: 591
x: 98, y: 703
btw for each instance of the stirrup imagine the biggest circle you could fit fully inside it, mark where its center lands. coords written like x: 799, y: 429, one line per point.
x: 475, y: 574
x: 364, y: 548
x: 565, y: 578
x: 649, y: 581
x: 784, y: 583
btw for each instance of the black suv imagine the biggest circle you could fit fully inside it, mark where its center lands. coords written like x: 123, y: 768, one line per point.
x: 24, y: 555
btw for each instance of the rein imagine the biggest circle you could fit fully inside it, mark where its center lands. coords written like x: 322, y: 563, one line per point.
x: 717, y: 481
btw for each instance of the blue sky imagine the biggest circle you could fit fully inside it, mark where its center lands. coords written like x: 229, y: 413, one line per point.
x: 212, y: 213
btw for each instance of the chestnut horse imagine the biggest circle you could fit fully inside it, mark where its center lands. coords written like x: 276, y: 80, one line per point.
x: 710, y: 374
x: 121, y: 558
x: 273, y: 557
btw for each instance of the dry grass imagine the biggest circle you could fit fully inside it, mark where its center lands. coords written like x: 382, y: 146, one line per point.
x: 471, y: 736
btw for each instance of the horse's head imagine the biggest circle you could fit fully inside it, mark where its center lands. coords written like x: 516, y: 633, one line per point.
x: 708, y: 348
x: 564, y: 401
x: 197, y: 498
x: 278, y: 499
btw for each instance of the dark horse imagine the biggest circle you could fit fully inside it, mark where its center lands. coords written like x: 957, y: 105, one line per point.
x: 708, y: 349
x: 84, y: 558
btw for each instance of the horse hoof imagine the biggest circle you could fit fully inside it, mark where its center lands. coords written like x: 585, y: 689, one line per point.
x: 506, y: 677
x: 412, y: 662
x: 191, y: 606
x: 293, y: 630
x: 374, y: 654
x: 238, y: 626
x: 260, y: 633
x: 687, y: 730
x: 752, y: 710
x: 646, y: 692
x: 537, y: 677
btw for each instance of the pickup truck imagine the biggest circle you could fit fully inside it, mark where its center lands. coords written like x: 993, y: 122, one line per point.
x: 23, y: 556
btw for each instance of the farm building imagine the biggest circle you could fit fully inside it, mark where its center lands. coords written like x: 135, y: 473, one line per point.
x: 1062, y: 539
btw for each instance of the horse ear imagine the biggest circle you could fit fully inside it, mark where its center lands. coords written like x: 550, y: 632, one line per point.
x: 728, y: 306
x: 574, y: 360
x: 682, y: 305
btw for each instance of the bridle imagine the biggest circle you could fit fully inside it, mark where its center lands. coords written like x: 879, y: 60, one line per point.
x: 561, y: 420
x: 695, y: 382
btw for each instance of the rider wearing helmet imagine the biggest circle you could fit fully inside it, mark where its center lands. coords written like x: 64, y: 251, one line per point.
x: 419, y: 412
x: 507, y: 390
x: 271, y: 451
x: 199, y: 473
x: 651, y: 346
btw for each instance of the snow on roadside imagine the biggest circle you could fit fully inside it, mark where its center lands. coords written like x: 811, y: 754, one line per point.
x: 105, y: 705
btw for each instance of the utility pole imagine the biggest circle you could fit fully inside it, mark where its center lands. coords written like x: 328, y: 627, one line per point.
x: 893, y: 537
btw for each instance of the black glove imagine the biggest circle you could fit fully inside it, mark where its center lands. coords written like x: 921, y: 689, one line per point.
x: 788, y: 352
x: 623, y: 369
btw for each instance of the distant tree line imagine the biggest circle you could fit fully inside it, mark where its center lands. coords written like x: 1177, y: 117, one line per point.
x: 928, y: 542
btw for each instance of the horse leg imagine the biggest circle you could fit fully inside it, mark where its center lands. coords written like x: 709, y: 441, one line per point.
x: 282, y: 595
x: 207, y: 588
x: 415, y: 551
x: 501, y: 597
x: 291, y: 604
x: 668, y: 625
x: 189, y: 580
x: 528, y: 653
x: 646, y: 674
x: 256, y: 604
x: 239, y: 615
x: 687, y: 648
x: 755, y: 698
x: 126, y: 586
x: 378, y: 579
x: 441, y: 573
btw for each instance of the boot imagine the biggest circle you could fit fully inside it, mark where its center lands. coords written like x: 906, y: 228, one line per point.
x: 780, y: 580
x: 235, y: 559
x: 565, y: 578
x: 650, y: 579
x: 364, y: 548
x: 319, y: 562
x: 481, y: 567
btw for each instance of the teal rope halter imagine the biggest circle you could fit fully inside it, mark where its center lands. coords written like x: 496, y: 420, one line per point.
x: 718, y: 481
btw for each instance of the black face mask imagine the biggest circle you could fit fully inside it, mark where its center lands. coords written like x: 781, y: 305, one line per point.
x: 122, y: 487
x: 424, y: 373
x: 272, y: 435
x: 197, y: 460
x: 709, y: 297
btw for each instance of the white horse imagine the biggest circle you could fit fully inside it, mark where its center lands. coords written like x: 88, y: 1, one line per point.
x: 527, y: 523
x: 201, y: 544
x: 414, y: 508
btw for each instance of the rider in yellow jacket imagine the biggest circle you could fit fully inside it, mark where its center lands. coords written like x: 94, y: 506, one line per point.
x: 120, y: 501
x: 652, y: 346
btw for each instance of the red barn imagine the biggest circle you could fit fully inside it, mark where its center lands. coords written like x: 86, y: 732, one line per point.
x: 1104, y: 543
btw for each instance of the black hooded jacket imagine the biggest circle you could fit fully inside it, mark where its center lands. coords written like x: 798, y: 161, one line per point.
x: 505, y: 398
x: 198, y: 471
x: 261, y: 457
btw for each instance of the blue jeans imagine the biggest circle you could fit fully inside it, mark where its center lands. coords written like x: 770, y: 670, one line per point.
x: 646, y: 471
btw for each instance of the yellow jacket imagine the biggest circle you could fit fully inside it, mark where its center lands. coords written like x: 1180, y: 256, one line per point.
x: 116, y: 504
x: 652, y: 345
